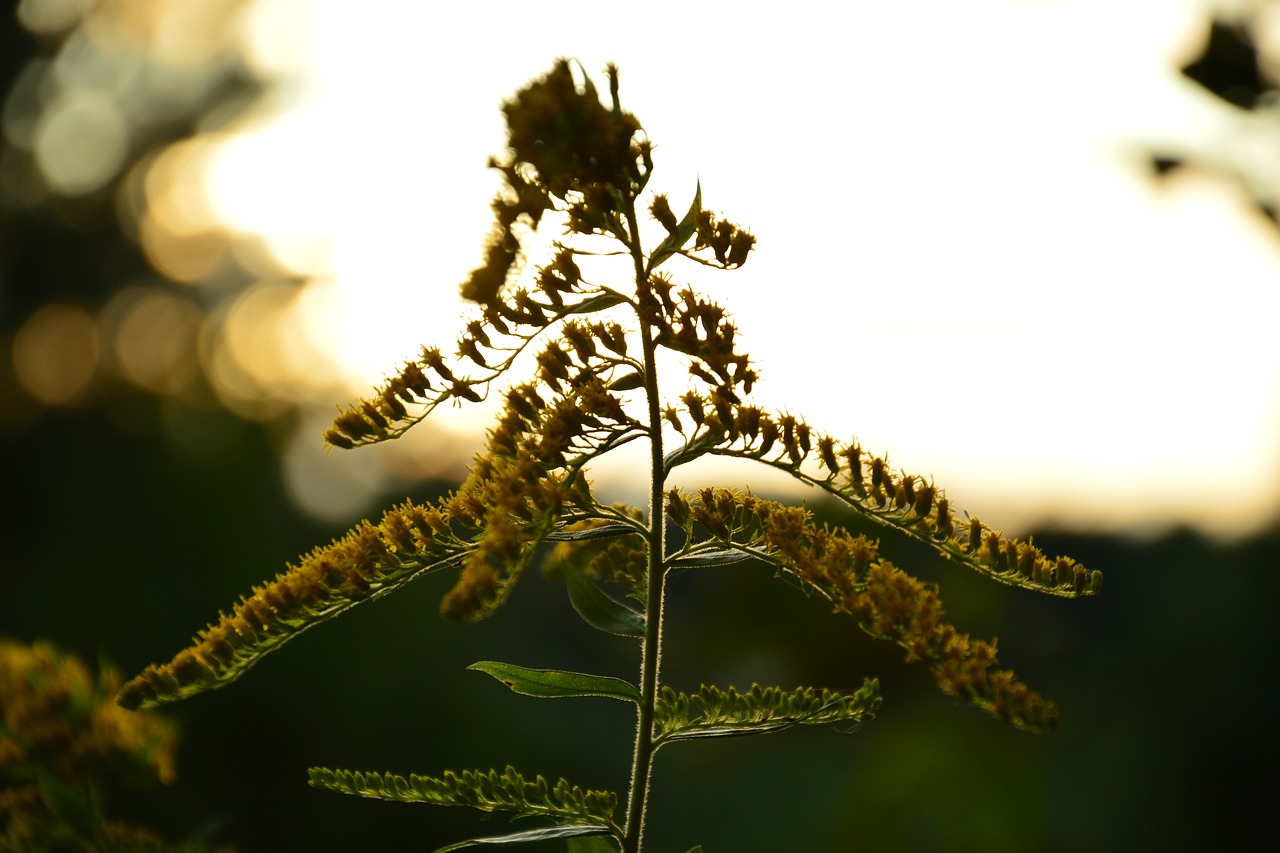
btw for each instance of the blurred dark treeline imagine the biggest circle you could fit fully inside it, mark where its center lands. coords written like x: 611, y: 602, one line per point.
x: 116, y: 545
x: 120, y: 541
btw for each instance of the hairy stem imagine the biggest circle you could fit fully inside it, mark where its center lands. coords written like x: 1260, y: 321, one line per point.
x: 651, y: 649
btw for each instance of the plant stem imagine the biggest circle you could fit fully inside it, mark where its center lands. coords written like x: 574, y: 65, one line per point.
x: 651, y: 648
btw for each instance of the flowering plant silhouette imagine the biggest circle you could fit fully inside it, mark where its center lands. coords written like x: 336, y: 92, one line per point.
x: 592, y: 349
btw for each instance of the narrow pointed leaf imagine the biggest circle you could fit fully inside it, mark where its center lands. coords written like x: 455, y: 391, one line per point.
x: 557, y: 683
x: 563, y: 803
x: 590, y: 844
x: 530, y: 835
x: 598, y: 609
x: 690, y: 451
x: 684, y: 230
x: 627, y: 382
x: 702, y: 559
x: 607, y: 531
x: 594, y: 304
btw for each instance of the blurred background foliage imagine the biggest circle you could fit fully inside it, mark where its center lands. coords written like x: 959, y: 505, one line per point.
x: 143, y: 459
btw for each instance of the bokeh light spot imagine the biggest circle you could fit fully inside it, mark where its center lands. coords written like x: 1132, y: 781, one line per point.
x: 261, y: 355
x: 154, y: 339
x: 189, y: 34
x: 51, y: 16
x: 81, y: 141
x: 55, y: 354
x: 273, y: 45
x: 330, y: 486
x: 189, y: 257
x: 174, y: 186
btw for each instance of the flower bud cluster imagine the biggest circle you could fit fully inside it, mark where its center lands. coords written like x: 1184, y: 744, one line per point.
x: 563, y: 145
x: 887, y: 602
x: 571, y: 139
x: 870, y: 485
x: 513, y: 496
x: 490, y: 343
x: 700, y: 329
x: 520, y: 200
x: 509, y: 502
x: 729, y: 243
x: 366, y: 561
x: 828, y: 558
x: 660, y: 209
x: 620, y: 559
x: 574, y: 423
x: 898, y: 607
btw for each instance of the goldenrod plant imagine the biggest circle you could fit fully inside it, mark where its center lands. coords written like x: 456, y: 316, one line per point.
x: 66, y: 747
x: 585, y: 351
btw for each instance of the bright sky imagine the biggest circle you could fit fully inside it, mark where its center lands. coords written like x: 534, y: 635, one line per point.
x: 1027, y: 317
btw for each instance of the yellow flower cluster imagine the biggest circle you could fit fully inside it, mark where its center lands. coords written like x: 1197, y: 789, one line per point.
x: 490, y: 529
x: 887, y: 602
x: 60, y: 730
x: 869, y: 485
x: 368, y: 561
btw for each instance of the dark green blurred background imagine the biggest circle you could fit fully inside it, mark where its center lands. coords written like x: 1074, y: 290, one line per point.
x: 121, y: 541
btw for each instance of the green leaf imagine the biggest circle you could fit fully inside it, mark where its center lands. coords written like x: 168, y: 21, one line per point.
x: 557, y: 683
x: 607, y: 531
x: 563, y: 803
x: 531, y: 835
x: 594, y: 304
x: 684, y: 230
x: 702, y: 559
x: 598, y: 609
x: 590, y: 844
x: 714, y: 713
x: 690, y: 451
x: 627, y: 382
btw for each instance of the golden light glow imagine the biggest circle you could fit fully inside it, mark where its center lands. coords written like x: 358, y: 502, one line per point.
x: 153, y: 336
x: 986, y: 259
x: 81, y: 141
x: 957, y: 261
x: 55, y: 354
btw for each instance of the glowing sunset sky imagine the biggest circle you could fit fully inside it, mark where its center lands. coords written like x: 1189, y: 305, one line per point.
x: 960, y: 258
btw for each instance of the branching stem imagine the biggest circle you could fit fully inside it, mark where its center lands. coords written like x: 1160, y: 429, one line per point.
x: 651, y: 649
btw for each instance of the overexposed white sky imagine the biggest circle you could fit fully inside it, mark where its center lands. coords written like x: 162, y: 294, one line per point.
x: 960, y: 258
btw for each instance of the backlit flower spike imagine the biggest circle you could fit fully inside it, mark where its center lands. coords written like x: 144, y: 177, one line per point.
x: 490, y: 528
x: 729, y: 243
x: 570, y: 139
x: 888, y: 603
x: 365, y: 564
x: 518, y: 505
x: 868, y: 485
x: 484, y: 352
x: 527, y: 485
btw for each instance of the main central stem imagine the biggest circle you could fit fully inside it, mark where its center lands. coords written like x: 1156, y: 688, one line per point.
x: 650, y: 650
